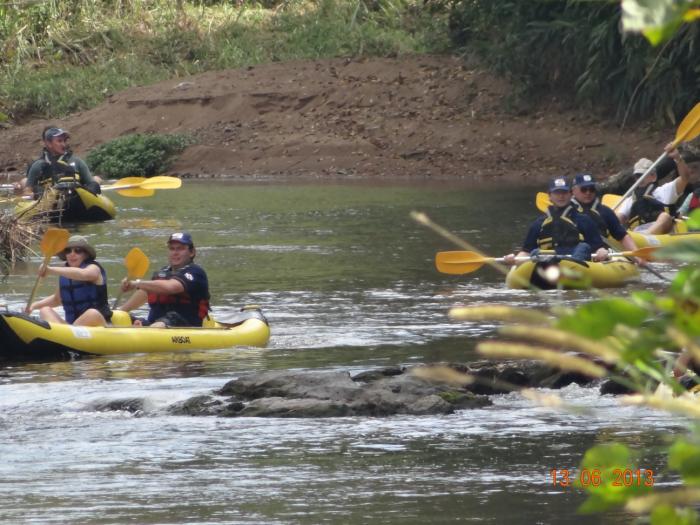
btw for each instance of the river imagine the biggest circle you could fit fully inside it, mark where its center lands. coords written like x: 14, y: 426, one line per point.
x: 347, y: 280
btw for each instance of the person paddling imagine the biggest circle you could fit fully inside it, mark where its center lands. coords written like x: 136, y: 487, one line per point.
x: 648, y: 209
x: 177, y: 294
x: 82, y: 287
x: 562, y: 229
x: 56, y: 163
x: 587, y: 202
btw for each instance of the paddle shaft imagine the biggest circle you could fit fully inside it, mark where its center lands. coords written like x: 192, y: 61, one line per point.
x: 631, y: 189
x: 47, y: 258
x: 118, y: 298
x: 689, y: 128
x: 461, y: 262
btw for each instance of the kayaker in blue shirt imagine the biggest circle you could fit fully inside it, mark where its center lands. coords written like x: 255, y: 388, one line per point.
x: 585, y: 198
x: 82, y: 287
x: 177, y: 294
x: 562, y: 229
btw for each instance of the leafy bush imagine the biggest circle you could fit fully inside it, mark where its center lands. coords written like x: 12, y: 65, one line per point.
x: 137, y: 155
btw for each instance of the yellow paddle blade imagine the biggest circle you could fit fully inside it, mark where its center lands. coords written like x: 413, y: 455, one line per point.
x: 611, y: 200
x: 459, y: 262
x: 130, y: 180
x: 53, y: 241
x: 136, y: 192
x: 542, y: 201
x: 162, y: 182
x: 689, y: 127
x: 646, y: 253
x: 136, y: 263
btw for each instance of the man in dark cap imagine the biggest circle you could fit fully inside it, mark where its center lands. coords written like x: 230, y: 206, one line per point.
x: 57, y: 162
x: 177, y: 294
x: 586, y: 200
x: 562, y: 229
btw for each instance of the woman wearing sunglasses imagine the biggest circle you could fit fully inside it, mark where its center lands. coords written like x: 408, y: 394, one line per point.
x: 82, y: 287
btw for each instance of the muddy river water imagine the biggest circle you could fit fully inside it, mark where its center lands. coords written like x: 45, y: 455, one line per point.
x: 347, y: 281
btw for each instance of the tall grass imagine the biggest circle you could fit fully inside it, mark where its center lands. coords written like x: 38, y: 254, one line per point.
x: 576, y: 48
x: 61, y: 56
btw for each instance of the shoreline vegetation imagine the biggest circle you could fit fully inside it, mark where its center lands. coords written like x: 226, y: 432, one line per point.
x: 58, y: 56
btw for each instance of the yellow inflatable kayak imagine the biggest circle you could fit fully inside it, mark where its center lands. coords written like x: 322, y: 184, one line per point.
x: 553, y: 273
x: 69, y: 204
x: 28, y: 339
x: 642, y: 239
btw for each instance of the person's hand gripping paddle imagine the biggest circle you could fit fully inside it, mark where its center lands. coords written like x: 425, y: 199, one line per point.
x: 53, y: 242
x: 136, y: 263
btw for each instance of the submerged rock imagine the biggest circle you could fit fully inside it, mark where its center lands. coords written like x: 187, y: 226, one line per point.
x: 418, y: 390
x: 380, y: 392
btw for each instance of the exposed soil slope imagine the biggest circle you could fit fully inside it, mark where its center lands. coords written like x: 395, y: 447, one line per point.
x: 414, y: 116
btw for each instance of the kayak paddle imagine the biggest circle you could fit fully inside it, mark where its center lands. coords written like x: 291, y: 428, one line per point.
x: 143, y: 187
x: 53, y: 242
x: 688, y: 130
x: 542, y: 201
x: 461, y: 262
x: 136, y: 263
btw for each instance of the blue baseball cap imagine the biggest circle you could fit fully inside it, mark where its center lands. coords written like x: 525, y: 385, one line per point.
x: 559, y: 184
x: 182, y: 238
x: 52, y: 133
x: 583, y: 180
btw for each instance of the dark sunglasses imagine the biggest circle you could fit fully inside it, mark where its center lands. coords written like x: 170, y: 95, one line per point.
x: 75, y: 250
x: 588, y: 189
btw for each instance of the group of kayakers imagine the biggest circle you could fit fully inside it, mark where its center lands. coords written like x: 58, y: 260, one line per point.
x: 177, y: 294
x: 577, y: 224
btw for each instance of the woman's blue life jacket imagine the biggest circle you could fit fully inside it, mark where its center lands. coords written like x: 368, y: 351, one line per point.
x: 79, y: 296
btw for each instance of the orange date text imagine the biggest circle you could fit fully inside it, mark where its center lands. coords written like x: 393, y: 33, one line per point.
x: 594, y: 477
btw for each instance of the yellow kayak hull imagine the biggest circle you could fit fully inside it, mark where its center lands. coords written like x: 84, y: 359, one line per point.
x: 642, y: 239
x: 570, y: 274
x: 27, y: 339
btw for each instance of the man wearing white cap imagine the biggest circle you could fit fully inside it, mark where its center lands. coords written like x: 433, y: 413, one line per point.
x: 57, y: 162
x: 647, y: 209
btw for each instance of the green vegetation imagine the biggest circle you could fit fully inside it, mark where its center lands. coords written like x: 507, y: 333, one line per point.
x: 644, y: 342
x: 137, y: 155
x: 61, y: 56
x: 576, y: 50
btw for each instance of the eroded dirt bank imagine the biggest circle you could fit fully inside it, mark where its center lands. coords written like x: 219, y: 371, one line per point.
x: 412, y: 116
